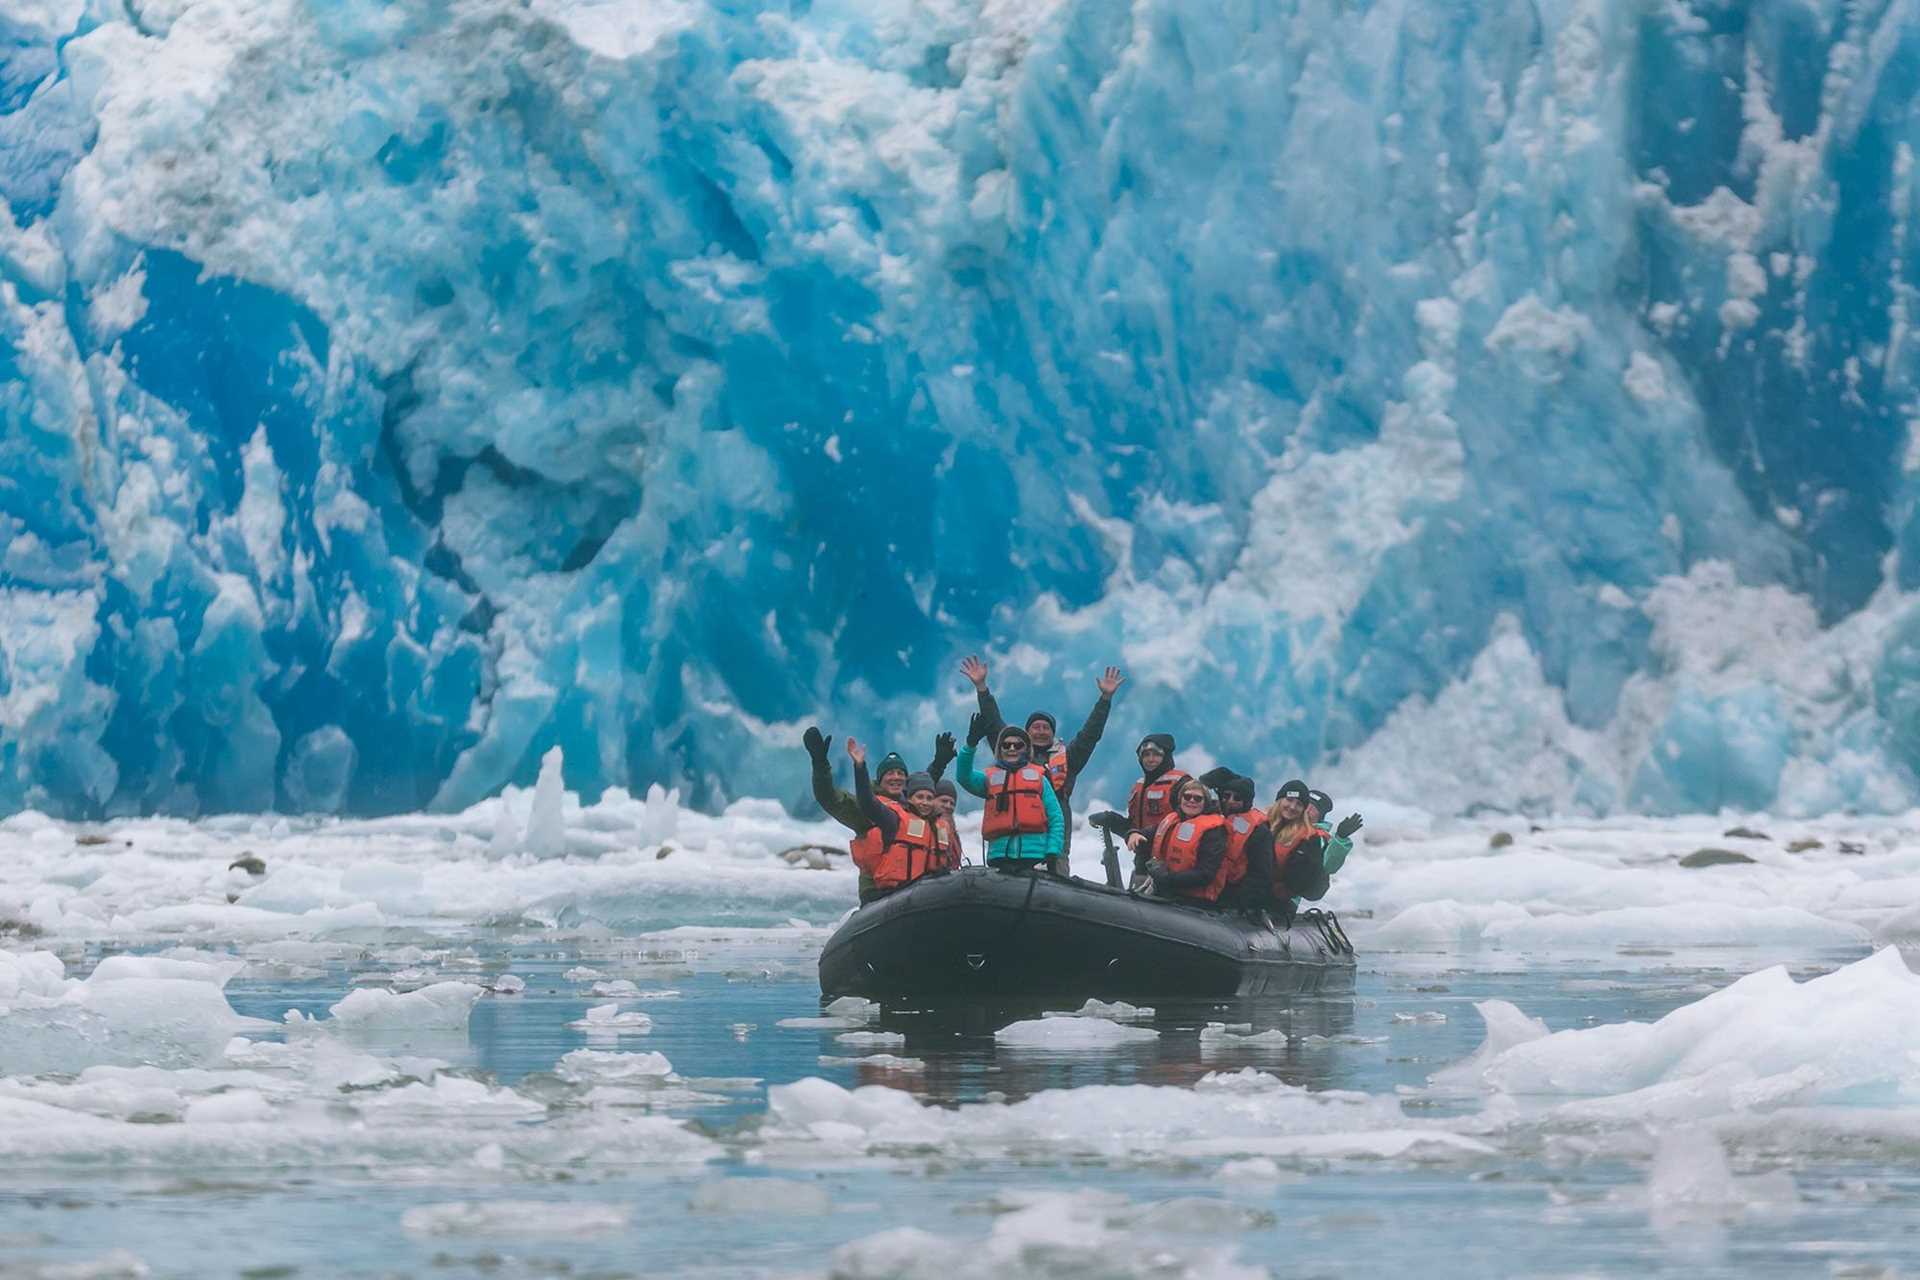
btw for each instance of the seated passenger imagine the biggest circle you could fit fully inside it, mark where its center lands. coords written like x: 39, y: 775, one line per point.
x: 1152, y: 797
x: 913, y: 840
x: 1248, y: 884
x: 1023, y: 824
x: 1296, y: 869
x: 945, y: 797
x: 1187, y: 856
x: 1335, y: 843
x: 845, y: 809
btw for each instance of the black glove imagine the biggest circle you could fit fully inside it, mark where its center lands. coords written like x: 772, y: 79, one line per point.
x: 943, y: 747
x: 976, y: 728
x: 816, y: 745
x: 1348, y: 825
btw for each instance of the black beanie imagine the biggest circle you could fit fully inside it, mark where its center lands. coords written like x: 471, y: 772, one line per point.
x: 1011, y: 730
x: 1043, y: 715
x: 1295, y: 788
x: 918, y: 782
x: 1164, y: 741
x: 1321, y: 801
x: 1237, y: 785
x: 945, y: 787
x: 891, y: 760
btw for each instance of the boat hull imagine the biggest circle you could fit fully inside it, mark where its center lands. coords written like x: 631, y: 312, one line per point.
x: 986, y: 934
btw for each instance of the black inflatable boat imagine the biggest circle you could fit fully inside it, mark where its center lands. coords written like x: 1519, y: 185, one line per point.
x: 982, y: 933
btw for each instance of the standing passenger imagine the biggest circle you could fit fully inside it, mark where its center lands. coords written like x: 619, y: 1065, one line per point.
x: 1023, y: 823
x: 1063, y: 763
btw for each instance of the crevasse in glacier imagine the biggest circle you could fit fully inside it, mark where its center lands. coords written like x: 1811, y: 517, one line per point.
x: 1503, y: 404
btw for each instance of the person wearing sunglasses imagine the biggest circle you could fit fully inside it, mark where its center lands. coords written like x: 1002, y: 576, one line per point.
x: 1186, y: 857
x: 1063, y: 762
x: 1023, y: 823
x: 1248, y: 882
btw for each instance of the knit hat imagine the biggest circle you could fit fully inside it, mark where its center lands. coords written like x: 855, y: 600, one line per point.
x: 1043, y: 715
x: 1237, y: 785
x: 1296, y: 790
x: 1321, y: 801
x: 1164, y: 741
x: 889, y: 762
x: 1012, y: 731
x: 918, y: 782
x: 945, y: 787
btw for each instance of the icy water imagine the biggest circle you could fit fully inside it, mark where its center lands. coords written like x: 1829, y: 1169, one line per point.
x: 406, y: 1050
x: 1535, y: 1210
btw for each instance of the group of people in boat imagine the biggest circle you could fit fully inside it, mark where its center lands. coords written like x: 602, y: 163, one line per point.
x: 1194, y: 839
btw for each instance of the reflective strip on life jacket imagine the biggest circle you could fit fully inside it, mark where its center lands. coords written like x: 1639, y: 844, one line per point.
x: 919, y: 846
x: 1153, y: 801
x: 1176, y: 842
x: 1240, y: 829
x: 1057, y: 770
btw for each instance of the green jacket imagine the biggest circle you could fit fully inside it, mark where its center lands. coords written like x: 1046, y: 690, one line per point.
x: 1334, y: 855
x: 1024, y: 848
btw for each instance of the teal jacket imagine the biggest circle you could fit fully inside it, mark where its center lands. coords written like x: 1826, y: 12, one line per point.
x: 1334, y: 856
x: 1026, y: 848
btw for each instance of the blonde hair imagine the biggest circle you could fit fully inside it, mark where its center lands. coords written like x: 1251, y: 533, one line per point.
x: 1285, y: 832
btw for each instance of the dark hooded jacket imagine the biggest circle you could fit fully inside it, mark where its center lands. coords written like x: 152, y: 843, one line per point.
x: 1079, y: 747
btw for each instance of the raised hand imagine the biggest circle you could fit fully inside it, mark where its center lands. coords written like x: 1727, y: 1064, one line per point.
x: 1109, y: 682
x: 856, y: 752
x: 976, y: 728
x: 975, y: 670
x: 1348, y: 825
x: 943, y: 745
x: 816, y: 745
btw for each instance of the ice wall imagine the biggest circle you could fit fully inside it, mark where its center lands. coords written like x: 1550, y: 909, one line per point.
x: 1501, y: 404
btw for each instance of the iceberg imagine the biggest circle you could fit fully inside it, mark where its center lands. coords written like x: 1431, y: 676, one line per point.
x: 390, y: 397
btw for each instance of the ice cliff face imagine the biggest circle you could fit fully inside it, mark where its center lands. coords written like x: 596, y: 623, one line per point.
x: 1505, y: 403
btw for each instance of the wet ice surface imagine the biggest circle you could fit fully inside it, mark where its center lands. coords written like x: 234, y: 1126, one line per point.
x: 407, y: 1050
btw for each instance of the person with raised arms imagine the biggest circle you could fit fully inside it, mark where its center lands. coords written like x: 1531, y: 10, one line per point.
x: 912, y: 839
x: 1023, y: 823
x: 845, y: 809
x: 1063, y: 762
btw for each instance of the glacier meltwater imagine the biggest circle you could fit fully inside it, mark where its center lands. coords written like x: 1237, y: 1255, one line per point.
x: 1507, y: 404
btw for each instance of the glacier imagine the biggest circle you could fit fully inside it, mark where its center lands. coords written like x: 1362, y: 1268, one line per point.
x: 1507, y: 405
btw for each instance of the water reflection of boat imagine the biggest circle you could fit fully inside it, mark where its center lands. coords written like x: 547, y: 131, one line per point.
x: 981, y: 933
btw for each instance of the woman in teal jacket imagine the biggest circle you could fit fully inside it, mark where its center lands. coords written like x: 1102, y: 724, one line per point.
x: 1013, y: 752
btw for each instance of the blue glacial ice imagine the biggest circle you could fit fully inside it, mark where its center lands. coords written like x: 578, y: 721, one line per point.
x: 1508, y: 404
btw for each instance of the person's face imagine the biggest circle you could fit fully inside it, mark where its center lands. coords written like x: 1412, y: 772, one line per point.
x: 1040, y: 733
x: 1313, y: 813
x: 1290, y: 808
x: 1011, y: 749
x: 1192, y: 801
x: 944, y: 804
x: 1231, y: 802
x: 893, y: 782
x: 1151, y: 758
x: 922, y: 803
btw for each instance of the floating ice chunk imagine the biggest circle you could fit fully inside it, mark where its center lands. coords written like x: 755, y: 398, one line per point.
x: 1257, y: 1169
x: 1117, y: 1011
x: 1690, y: 1181
x: 660, y: 822
x: 873, y: 1039
x: 607, y: 1020
x: 1693, y: 924
x: 1071, y: 1033
x: 1424, y: 1017
x: 618, y: 987
x: 580, y: 973
x: 1444, y: 924
x: 125, y: 968
x: 50, y: 1023
x: 508, y: 984
x: 758, y: 1196
x: 1763, y: 1042
x: 821, y: 1024
x: 515, y: 1218
x: 890, y: 1061
x: 1506, y: 1027
x: 444, y: 1006
x: 1220, y: 1035
x: 601, y: 1066
x: 234, y: 1106
x: 853, y: 1007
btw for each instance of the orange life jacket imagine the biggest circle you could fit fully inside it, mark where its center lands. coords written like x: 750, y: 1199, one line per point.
x: 1057, y: 770
x: 1153, y: 801
x: 952, y: 858
x: 1176, y: 842
x: 1015, y: 806
x: 919, y: 846
x: 869, y: 845
x: 1240, y: 829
